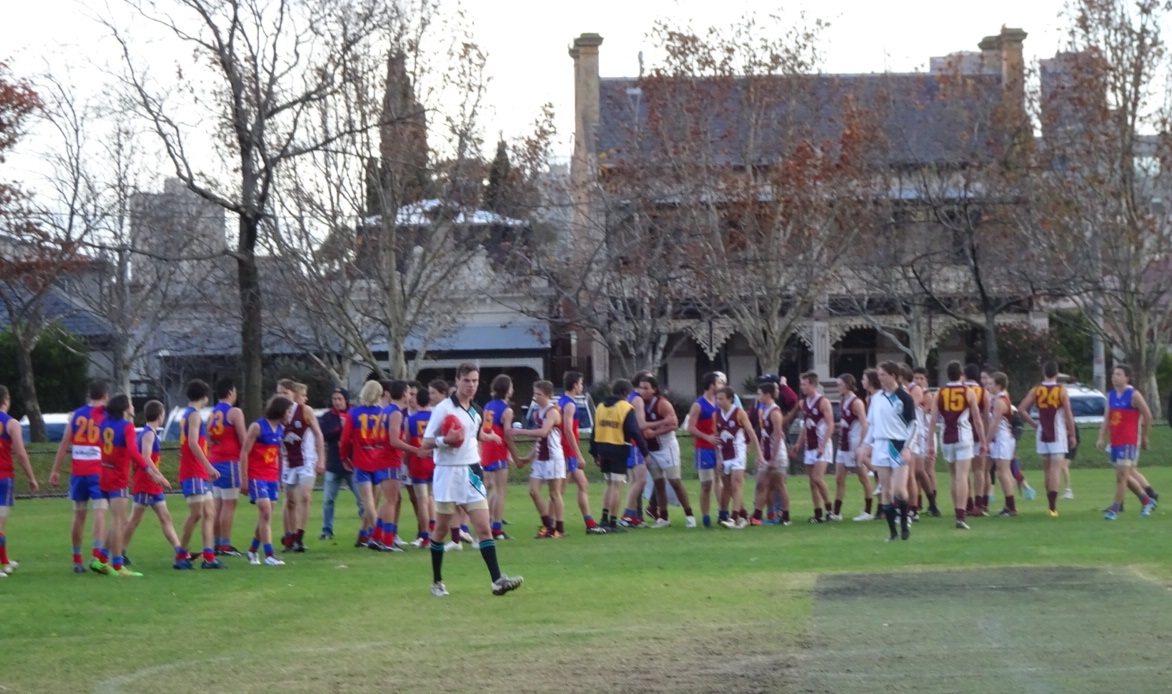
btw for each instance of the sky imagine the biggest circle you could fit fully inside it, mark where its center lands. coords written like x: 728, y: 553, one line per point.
x: 527, y: 40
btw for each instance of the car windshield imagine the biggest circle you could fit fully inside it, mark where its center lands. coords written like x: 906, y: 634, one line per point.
x: 1088, y: 407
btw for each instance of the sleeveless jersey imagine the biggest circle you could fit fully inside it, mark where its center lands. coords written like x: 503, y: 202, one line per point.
x: 651, y: 414
x: 1124, y: 418
x: 6, y: 470
x: 1048, y: 395
x: 983, y: 402
x: 769, y: 437
x: 143, y: 484
x: 850, y: 422
x: 953, y: 405
x: 731, y: 433
x: 705, y: 423
x: 549, y: 447
x: 264, y: 460
x: 416, y: 425
x: 1004, y: 425
x: 189, y: 465
x: 569, y: 427
x: 118, y: 451
x: 494, y: 416
x: 393, y: 457
x: 223, y: 446
x: 85, y: 424
x: 815, y: 422
x: 362, y: 438
x: 293, y: 443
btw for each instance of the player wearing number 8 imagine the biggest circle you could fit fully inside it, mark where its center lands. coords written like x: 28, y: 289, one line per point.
x: 957, y: 406
x: 1055, y: 425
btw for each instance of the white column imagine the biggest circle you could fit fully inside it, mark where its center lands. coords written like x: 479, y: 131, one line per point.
x: 820, y: 332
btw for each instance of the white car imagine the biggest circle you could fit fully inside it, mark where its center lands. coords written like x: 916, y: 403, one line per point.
x: 55, y: 425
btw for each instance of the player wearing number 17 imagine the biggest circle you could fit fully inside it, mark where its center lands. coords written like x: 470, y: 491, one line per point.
x: 1055, y: 425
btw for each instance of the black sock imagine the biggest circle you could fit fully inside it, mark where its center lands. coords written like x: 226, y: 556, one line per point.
x: 889, y: 513
x: 605, y: 517
x: 902, y: 505
x: 488, y: 552
x: 1151, y: 492
x: 437, y: 560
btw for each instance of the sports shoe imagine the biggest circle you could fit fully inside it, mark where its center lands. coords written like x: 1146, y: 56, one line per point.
x: 420, y: 543
x: 893, y: 538
x: 1052, y: 514
x: 298, y: 547
x: 596, y: 530
x: 126, y: 561
x: 905, y: 533
x: 505, y: 522
x: 182, y: 565
x: 1030, y: 493
x: 1110, y: 515
x: 233, y: 552
x: 977, y: 513
x: 878, y: 489
x: 465, y: 536
x: 3, y: 575
x: 863, y: 517
x: 728, y: 522
x: 755, y: 522
x: 438, y: 590
x: 1068, y: 494
x: 392, y: 548
x: 934, y: 512
x: 913, y: 516
x: 273, y: 561
x: 961, y: 525
x: 1006, y: 513
x: 661, y: 523
x: 125, y: 572
x: 98, y: 567
x: 254, y: 558
x: 79, y: 568
x: 360, y: 543
x: 816, y: 519
x: 400, y: 542
x: 326, y: 535
x: 834, y: 517
x: 626, y: 522
x: 690, y: 522
x: 542, y: 533
x: 741, y: 523
x: 453, y: 547
x: 10, y: 567
x: 785, y: 523
x: 1147, y: 509
x: 505, y: 584
x: 376, y: 546
x: 213, y: 564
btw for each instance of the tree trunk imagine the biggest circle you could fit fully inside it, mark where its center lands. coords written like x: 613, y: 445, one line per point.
x: 251, y: 348
x: 28, y: 390
x: 992, y: 353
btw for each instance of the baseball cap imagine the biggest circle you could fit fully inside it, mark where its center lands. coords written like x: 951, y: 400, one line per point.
x: 720, y: 376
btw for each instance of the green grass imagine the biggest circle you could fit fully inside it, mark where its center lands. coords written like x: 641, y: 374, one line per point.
x: 651, y: 610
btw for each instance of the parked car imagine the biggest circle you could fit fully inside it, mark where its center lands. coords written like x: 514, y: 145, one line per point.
x: 585, y: 407
x: 55, y: 426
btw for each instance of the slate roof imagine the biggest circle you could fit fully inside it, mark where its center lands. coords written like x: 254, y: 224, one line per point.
x: 480, y: 337
x: 74, y: 318
x: 922, y: 117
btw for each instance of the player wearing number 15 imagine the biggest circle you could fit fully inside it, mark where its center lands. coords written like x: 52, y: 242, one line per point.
x: 82, y: 444
x: 261, y: 472
x: 957, y: 405
x: 1055, y: 425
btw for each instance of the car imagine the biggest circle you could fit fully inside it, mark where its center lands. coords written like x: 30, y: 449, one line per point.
x: 55, y: 426
x: 585, y: 405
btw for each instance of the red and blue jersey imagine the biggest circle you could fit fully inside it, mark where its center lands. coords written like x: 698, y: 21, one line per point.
x: 264, y: 459
x: 6, y: 471
x: 393, y: 457
x: 569, y: 427
x: 223, y: 441
x: 189, y: 465
x: 494, y: 416
x: 85, y: 434
x: 419, y: 467
x: 1124, y: 418
x: 705, y: 422
x: 362, y: 439
x: 143, y: 484
x: 118, y: 451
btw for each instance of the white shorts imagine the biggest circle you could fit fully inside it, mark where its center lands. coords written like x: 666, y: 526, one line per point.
x: 918, y: 441
x: 952, y: 452
x: 298, y: 476
x: 225, y: 494
x: 812, y: 457
x: 1057, y: 447
x: 458, y: 485
x: 729, y: 465
x: 552, y: 469
x: 1003, y: 447
x: 884, y: 454
x: 663, y: 465
x: 845, y: 458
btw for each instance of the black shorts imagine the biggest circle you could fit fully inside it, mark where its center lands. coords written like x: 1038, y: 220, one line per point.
x: 615, y: 467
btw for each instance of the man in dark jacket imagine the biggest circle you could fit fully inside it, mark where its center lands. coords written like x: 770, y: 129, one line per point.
x: 615, y: 429
x: 338, y: 471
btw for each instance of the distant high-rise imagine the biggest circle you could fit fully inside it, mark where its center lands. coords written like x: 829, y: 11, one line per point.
x: 176, y: 225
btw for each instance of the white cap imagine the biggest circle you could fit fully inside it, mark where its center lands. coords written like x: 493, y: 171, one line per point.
x: 720, y: 375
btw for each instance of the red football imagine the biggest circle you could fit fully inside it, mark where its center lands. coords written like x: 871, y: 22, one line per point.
x: 453, y: 430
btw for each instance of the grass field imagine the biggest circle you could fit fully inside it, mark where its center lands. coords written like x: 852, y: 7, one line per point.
x: 1026, y: 604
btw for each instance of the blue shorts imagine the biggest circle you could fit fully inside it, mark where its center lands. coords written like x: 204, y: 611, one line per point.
x: 635, y: 458
x: 144, y: 499
x: 496, y: 465
x: 571, y: 465
x: 196, y: 486
x: 1118, y: 453
x: 83, y: 488
x: 123, y: 493
x: 416, y: 480
x: 364, y: 477
x: 7, y: 491
x: 396, y: 473
x: 263, y: 489
x: 705, y: 458
x: 229, y: 475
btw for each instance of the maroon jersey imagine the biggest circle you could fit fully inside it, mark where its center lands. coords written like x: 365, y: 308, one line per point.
x: 651, y: 412
x: 848, y: 420
x: 769, y: 437
x: 952, y: 403
x: 815, y: 424
x: 294, y: 437
x: 1048, y: 396
x: 729, y: 431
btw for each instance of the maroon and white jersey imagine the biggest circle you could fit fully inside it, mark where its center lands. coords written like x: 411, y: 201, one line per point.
x: 769, y: 437
x: 730, y: 433
x: 651, y: 414
x: 293, y: 445
x: 953, y: 405
x: 548, y: 447
x: 851, y: 427
x: 816, y: 424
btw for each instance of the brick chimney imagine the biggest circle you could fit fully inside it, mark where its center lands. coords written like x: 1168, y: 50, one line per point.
x: 586, y: 107
x: 990, y: 54
x: 1012, y: 64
